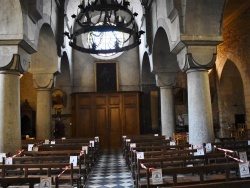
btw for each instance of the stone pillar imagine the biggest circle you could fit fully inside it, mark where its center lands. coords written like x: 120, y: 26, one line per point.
x: 166, y: 82
x: 10, y: 125
x: 196, y: 60
x: 43, y: 83
x: 199, y: 107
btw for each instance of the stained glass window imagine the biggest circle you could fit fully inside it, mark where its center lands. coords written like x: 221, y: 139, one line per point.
x: 105, y: 40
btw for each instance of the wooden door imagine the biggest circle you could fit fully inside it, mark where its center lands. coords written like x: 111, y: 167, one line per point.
x: 108, y: 120
x: 107, y: 115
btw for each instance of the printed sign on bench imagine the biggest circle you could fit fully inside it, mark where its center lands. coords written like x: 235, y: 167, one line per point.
x: 157, y: 176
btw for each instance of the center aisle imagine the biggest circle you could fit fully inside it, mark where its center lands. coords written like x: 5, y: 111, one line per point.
x: 110, y: 171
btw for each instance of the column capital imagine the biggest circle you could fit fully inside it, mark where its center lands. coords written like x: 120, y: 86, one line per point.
x: 14, y: 58
x: 43, y: 81
x: 15, y: 65
x: 166, y: 79
x: 197, y: 57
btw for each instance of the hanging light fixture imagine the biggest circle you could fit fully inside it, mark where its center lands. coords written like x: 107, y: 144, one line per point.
x: 146, y: 3
x: 99, y: 17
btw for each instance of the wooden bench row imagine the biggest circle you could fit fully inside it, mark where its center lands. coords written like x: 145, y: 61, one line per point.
x: 177, y: 158
x: 29, y: 173
x: 196, y: 175
x: 58, y: 153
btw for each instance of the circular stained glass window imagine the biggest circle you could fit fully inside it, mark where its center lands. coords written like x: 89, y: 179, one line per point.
x: 105, y: 40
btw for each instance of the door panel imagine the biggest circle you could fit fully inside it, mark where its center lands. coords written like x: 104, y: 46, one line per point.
x: 130, y: 121
x: 115, y: 127
x: 84, y: 129
x: 101, y: 125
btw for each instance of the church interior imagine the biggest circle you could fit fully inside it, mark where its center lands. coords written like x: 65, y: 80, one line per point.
x: 111, y: 69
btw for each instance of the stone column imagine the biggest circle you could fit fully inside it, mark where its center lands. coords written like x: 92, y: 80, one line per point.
x: 166, y: 82
x: 199, y: 107
x: 10, y: 125
x: 43, y: 83
x: 196, y: 60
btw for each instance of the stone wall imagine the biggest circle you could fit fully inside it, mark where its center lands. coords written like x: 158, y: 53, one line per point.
x: 235, y: 49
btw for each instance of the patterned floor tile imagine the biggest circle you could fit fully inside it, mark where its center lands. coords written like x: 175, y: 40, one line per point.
x: 110, y: 172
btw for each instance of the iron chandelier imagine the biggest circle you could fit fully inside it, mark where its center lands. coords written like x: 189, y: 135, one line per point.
x: 99, y: 16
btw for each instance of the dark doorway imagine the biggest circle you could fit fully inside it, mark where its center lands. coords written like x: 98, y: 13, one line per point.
x: 239, y: 119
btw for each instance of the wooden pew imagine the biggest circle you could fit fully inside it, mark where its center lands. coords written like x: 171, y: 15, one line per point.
x: 129, y: 150
x: 91, y: 156
x: 126, y: 140
x: 175, y: 161
x: 159, y: 154
x: 159, y: 148
x: 66, y: 143
x: 83, y: 167
x: 243, y: 183
x: 232, y: 145
x: 185, y: 175
x: 70, y: 175
x: 31, y: 181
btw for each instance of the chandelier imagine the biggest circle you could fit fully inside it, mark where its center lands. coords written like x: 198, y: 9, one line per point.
x: 97, y: 17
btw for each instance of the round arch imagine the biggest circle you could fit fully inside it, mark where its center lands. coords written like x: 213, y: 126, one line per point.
x: 163, y: 59
x: 45, y: 60
x: 231, y: 104
x: 239, y: 65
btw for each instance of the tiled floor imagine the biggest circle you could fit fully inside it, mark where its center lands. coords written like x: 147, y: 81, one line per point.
x: 110, y: 171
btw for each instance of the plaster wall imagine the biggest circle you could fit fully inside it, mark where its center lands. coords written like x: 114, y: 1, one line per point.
x: 128, y: 71
x: 10, y: 16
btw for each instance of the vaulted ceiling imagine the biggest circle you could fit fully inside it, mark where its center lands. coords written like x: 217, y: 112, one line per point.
x: 234, y: 8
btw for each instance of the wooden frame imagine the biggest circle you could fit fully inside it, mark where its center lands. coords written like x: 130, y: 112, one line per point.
x: 106, y: 76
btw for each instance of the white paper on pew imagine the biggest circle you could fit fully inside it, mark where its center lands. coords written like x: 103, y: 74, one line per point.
x: 124, y: 136
x: 35, y: 148
x: 200, y: 151
x: 97, y: 139
x: 63, y: 138
x: 45, y: 182
x: 1, y: 157
x: 91, y: 143
x: 85, y: 148
x: 243, y: 156
x: 9, y: 160
x: 73, y: 159
x: 53, y: 142
x: 172, y: 143
x: 30, y: 146
x: 140, y: 155
x: 156, y: 135
x: 46, y: 142
x: 157, y: 176
x: 132, y: 145
x: 208, y: 147
x: 244, y: 169
x: 128, y: 140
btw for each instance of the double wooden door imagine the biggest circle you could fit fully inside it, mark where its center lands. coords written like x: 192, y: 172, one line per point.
x: 107, y: 115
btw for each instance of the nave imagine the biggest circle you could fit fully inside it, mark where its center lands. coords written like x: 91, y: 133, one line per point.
x: 110, y: 171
